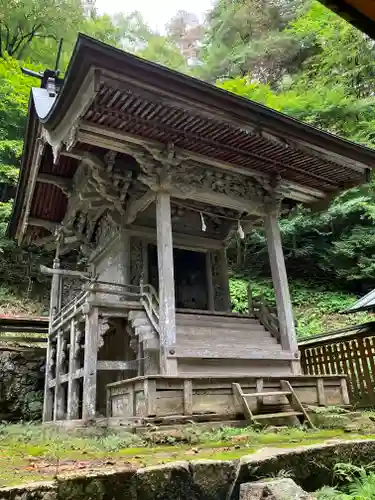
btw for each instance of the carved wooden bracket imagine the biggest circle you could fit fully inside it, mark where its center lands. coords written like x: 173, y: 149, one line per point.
x: 103, y: 327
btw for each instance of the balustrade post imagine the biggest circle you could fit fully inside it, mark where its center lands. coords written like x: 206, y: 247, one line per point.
x: 73, y: 388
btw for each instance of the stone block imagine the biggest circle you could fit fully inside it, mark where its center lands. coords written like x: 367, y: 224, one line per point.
x: 277, y: 489
x: 212, y: 479
x: 311, y: 466
x: 165, y: 482
x: 35, y: 491
x: 114, y: 485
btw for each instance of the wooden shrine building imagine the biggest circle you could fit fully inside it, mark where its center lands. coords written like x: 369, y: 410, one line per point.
x: 149, y: 173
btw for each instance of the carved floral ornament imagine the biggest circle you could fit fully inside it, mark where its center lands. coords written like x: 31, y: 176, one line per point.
x: 99, y: 188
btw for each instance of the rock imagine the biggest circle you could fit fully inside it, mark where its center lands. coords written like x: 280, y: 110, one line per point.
x: 251, y: 491
x: 169, y: 436
x: 35, y: 491
x: 277, y: 489
x: 22, y: 380
x: 165, y: 482
x: 97, y: 486
x: 212, y: 479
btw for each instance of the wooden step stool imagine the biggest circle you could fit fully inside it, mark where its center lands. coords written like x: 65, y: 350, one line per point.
x: 286, y: 390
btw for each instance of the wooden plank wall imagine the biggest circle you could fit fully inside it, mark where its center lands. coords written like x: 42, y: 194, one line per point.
x: 351, y: 355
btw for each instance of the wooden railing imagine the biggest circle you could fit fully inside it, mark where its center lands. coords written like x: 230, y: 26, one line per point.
x: 150, y: 303
x: 145, y: 294
x: 68, y: 312
x: 349, y: 351
x: 267, y: 314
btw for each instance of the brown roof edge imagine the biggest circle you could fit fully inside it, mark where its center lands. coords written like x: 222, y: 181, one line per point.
x: 91, y: 53
x: 23, y: 177
x: 355, y: 15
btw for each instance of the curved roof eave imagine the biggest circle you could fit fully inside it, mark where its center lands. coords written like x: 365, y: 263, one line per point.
x: 183, y: 90
x: 24, y: 172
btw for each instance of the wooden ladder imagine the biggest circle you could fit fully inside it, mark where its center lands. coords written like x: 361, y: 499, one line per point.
x: 286, y: 390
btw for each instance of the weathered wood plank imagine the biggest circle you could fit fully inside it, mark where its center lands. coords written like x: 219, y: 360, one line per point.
x: 320, y: 390
x: 117, y: 365
x: 90, y: 365
x: 149, y: 389
x: 73, y: 385
x: 167, y: 321
x: 226, y: 352
x: 58, y: 407
x: 188, y: 397
x: 280, y: 281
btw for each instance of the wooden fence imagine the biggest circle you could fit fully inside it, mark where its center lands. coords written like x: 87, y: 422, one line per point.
x: 350, y: 351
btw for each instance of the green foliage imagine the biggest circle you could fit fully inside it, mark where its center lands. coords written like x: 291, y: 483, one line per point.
x: 363, y: 488
x: 329, y: 493
x: 163, y: 51
x: 316, y: 307
x: 23, y: 22
x: 249, y: 36
x: 331, y: 89
x: 359, y: 483
x: 14, y: 96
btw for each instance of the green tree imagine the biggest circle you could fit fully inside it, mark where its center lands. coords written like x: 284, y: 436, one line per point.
x: 22, y: 22
x: 14, y: 96
x: 248, y: 36
x: 134, y: 31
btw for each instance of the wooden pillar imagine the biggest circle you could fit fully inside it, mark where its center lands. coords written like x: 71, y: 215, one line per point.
x: 167, y: 311
x: 58, y: 408
x: 90, y: 364
x: 125, y: 256
x: 73, y: 386
x: 210, y: 284
x: 225, y: 278
x: 280, y: 283
x: 55, y: 305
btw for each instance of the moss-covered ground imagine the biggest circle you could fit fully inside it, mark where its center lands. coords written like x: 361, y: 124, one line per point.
x: 31, y: 452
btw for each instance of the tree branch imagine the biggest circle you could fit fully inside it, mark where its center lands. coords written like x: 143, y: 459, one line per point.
x: 27, y: 39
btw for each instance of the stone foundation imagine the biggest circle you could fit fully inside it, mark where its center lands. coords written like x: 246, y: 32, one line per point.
x: 21, y: 383
x: 311, y: 467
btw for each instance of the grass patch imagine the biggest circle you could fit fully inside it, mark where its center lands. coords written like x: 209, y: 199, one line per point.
x: 32, y: 452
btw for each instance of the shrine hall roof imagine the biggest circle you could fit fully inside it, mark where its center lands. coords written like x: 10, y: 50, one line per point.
x: 110, y: 96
